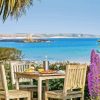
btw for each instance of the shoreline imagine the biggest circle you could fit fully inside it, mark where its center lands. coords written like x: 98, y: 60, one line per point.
x: 55, y: 37
x: 38, y: 40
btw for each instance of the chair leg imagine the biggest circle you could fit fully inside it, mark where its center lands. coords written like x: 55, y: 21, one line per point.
x: 82, y: 98
x: 6, y: 98
x: 46, y: 97
x: 29, y: 96
x: 64, y: 99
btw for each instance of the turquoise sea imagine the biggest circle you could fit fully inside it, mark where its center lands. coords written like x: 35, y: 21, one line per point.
x: 66, y: 49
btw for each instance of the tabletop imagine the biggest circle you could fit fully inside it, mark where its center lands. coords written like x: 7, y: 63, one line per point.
x: 37, y: 74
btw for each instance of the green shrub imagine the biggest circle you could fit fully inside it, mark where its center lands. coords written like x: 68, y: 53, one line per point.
x: 10, y: 54
x: 7, y: 54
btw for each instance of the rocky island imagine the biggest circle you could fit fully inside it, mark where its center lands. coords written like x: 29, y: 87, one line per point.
x: 35, y: 40
x: 24, y: 40
x: 28, y: 38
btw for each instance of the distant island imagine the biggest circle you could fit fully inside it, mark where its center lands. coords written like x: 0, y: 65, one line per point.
x: 24, y: 41
x: 41, y: 37
x: 28, y: 39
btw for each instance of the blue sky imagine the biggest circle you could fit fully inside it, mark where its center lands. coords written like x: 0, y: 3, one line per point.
x: 57, y: 16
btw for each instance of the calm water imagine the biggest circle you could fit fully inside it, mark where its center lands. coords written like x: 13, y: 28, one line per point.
x: 77, y: 50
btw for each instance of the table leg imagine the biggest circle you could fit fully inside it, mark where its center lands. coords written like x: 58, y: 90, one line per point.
x: 17, y: 83
x: 47, y: 85
x: 46, y: 88
x: 39, y: 89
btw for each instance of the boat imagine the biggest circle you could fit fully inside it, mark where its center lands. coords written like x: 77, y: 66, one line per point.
x: 98, y: 40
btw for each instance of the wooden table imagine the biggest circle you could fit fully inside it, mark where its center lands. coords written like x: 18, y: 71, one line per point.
x: 39, y: 77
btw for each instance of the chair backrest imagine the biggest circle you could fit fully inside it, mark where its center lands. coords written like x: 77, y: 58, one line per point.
x: 3, y: 81
x: 75, y: 77
x: 19, y: 66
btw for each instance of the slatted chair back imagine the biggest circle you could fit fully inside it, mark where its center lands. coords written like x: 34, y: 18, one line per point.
x: 75, y: 77
x: 3, y: 81
x: 19, y: 66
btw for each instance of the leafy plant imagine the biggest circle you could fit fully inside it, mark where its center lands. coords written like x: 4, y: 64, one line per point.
x: 93, y: 76
x: 7, y: 54
x: 10, y: 54
x: 13, y: 8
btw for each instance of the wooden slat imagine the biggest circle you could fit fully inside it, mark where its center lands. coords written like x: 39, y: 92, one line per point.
x: 1, y: 80
x: 75, y: 76
x: 19, y: 67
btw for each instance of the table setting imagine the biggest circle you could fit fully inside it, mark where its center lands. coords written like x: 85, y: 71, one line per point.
x: 44, y: 69
x: 41, y: 70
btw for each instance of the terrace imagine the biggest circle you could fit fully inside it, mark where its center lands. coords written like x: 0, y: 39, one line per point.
x: 24, y: 75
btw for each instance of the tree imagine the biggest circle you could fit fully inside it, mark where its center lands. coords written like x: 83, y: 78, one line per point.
x: 13, y: 8
x: 10, y: 54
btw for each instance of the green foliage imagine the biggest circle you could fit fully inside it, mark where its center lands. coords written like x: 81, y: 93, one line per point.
x: 57, y: 84
x: 10, y: 54
x: 8, y: 75
x: 86, y: 91
x: 13, y: 8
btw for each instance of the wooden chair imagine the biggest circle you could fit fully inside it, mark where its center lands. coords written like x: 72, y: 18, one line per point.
x: 73, y: 84
x: 10, y: 94
x: 20, y: 66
